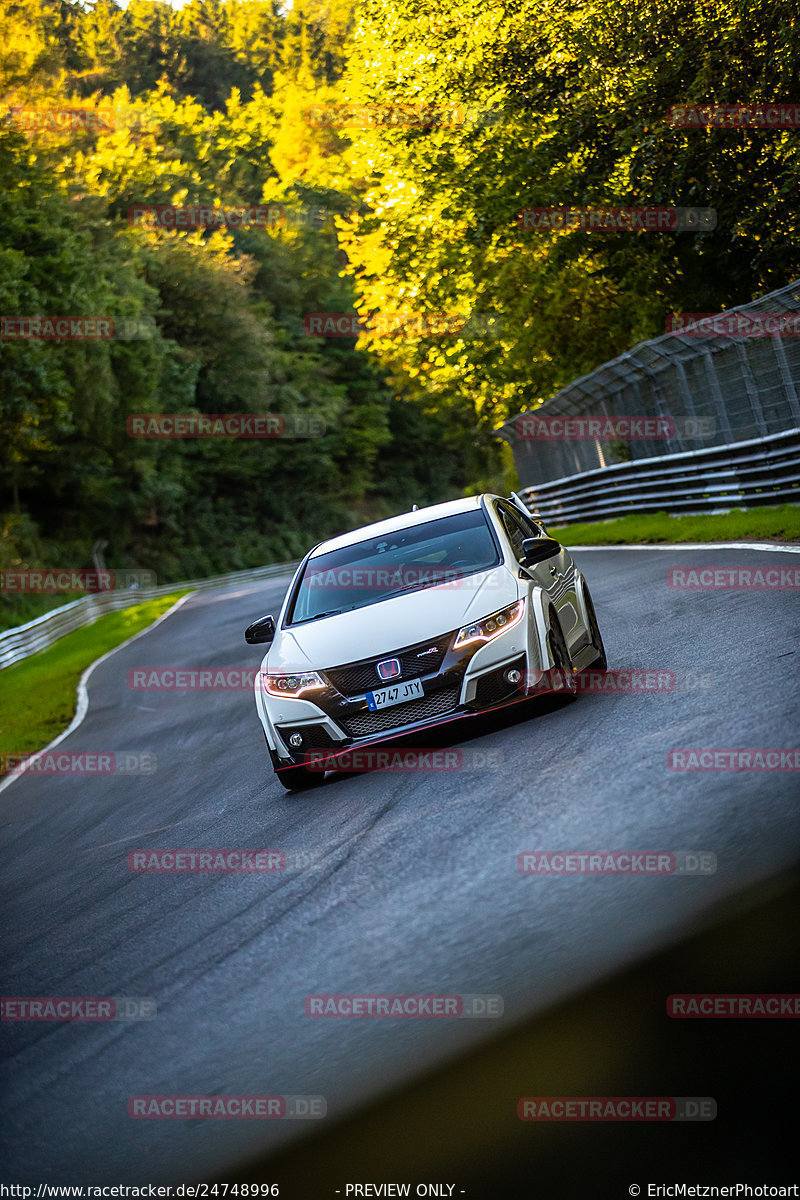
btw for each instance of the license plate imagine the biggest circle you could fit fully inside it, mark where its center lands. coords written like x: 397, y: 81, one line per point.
x: 397, y: 694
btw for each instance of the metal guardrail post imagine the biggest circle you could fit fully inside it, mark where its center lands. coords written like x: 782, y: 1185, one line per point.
x: 686, y: 391
x: 661, y: 409
x: 789, y: 386
x: 750, y: 387
x: 716, y: 392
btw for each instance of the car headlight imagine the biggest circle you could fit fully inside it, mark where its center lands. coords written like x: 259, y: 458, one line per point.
x: 489, y: 627
x: 291, y: 685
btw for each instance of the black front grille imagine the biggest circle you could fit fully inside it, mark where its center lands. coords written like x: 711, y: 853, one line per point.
x: 435, y: 705
x: 353, y: 679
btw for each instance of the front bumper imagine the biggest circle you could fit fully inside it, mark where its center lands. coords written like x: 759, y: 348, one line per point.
x: 456, y: 683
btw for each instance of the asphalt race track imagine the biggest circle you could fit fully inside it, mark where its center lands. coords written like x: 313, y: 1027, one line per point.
x: 410, y: 882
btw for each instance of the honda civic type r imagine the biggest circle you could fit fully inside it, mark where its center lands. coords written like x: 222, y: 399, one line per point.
x: 439, y: 614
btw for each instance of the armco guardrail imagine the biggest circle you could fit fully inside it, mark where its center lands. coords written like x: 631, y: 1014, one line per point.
x: 40, y: 633
x: 741, y: 475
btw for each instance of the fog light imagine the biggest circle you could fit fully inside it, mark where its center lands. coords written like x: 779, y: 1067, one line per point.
x: 295, y: 740
x: 513, y: 676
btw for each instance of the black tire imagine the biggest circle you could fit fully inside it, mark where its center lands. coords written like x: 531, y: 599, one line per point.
x: 298, y: 779
x: 561, y: 660
x: 294, y: 779
x: 600, y: 662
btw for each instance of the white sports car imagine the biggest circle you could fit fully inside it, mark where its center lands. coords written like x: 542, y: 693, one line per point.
x: 438, y: 614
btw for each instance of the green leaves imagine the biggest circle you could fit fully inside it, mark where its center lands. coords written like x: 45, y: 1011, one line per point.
x: 584, y: 89
x: 460, y: 116
x: 215, y: 319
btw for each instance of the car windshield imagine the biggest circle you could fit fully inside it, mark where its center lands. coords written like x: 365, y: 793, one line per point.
x: 404, y: 561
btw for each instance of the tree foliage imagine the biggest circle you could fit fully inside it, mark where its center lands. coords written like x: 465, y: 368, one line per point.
x: 206, y: 107
x: 557, y: 103
x: 565, y: 104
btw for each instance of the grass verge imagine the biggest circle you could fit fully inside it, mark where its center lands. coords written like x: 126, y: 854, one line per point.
x: 781, y: 522
x: 38, y: 695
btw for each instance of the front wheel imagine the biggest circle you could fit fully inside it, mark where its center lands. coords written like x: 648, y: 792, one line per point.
x: 297, y: 779
x: 561, y: 671
x: 294, y: 779
x: 600, y: 662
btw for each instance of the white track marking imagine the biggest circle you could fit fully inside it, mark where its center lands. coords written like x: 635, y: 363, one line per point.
x: 83, y: 695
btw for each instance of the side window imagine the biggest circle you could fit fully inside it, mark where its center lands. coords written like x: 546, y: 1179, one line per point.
x: 514, y: 530
x: 528, y: 524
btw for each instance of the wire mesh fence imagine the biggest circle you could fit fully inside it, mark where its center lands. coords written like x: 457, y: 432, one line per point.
x: 728, y: 378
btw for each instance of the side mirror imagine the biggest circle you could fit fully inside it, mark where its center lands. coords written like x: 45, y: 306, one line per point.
x: 261, y: 632
x: 536, y: 550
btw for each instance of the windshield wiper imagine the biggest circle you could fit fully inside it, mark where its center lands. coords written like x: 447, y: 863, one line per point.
x: 423, y: 583
x: 334, y: 612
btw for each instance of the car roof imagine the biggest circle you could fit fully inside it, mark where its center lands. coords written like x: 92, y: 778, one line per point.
x: 404, y: 521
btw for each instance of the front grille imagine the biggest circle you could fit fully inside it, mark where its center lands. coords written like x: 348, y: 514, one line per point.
x: 435, y: 705
x: 353, y: 679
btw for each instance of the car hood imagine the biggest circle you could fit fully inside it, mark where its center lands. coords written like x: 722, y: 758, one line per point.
x: 392, y: 624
